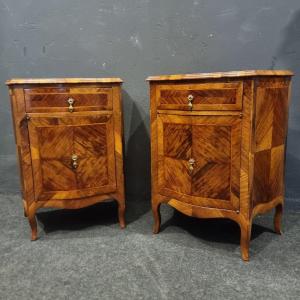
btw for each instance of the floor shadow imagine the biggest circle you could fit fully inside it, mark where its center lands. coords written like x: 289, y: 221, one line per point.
x: 137, y: 162
x: 212, y: 230
x: 224, y: 233
x: 100, y: 214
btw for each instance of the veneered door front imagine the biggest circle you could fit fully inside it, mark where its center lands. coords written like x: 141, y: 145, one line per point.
x: 73, y: 157
x: 199, y: 159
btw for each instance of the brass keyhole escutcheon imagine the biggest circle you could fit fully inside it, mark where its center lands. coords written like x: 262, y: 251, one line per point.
x: 71, y: 102
x: 191, y: 164
x: 190, y: 99
x: 74, y: 161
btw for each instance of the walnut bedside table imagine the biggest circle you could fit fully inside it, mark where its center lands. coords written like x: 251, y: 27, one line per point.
x: 218, y: 145
x: 69, y: 142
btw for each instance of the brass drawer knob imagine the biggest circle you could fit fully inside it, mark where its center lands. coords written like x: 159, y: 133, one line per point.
x: 74, y: 161
x: 191, y: 164
x: 71, y: 102
x: 190, y: 99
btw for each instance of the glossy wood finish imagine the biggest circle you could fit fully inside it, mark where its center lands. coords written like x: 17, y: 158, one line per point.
x: 204, y: 96
x: 56, y: 99
x: 220, y: 163
x: 47, y: 81
x: 205, y: 150
x: 68, y: 159
x: 53, y: 141
x: 218, y: 75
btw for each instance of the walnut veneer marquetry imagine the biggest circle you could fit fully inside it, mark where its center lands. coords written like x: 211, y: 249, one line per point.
x: 69, y: 142
x: 218, y: 145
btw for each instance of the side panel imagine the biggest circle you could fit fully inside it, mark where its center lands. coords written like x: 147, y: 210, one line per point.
x: 271, y: 120
x: 118, y: 144
x: 22, y: 143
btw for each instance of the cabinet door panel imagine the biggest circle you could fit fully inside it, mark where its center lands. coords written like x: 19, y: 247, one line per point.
x: 90, y: 140
x: 94, y: 174
x: 53, y: 142
x: 174, y: 150
x: 57, y: 175
x: 173, y: 167
x: 55, y: 150
x: 177, y: 140
x: 212, y: 153
x: 91, y: 145
x: 53, y: 146
x: 212, y: 143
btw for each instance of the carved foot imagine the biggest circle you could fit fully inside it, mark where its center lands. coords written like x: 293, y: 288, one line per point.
x: 277, y: 218
x: 25, y: 208
x: 121, y: 213
x: 33, y: 224
x: 245, y: 240
x: 157, y: 217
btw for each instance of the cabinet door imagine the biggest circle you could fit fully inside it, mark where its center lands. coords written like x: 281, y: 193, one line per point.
x: 72, y: 157
x: 199, y: 159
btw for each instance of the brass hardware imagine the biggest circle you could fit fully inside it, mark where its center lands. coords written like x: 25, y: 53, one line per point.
x: 241, y: 115
x: 191, y: 164
x: 24, y: 120
x: 71, y: 102
x: 74, y: 161
x: 190, y: 99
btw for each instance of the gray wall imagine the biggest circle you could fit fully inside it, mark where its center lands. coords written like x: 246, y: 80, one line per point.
x: 134, y: 39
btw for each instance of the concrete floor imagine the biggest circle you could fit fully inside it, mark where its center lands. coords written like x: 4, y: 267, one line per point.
x: 83, y: 254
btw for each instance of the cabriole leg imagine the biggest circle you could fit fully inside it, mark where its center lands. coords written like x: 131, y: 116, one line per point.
x: 25, y: 208
x: 156, y: 215
x: 277, y: 218
x: 121, y: 214
x: 245, y: 239
x: 32, y: 222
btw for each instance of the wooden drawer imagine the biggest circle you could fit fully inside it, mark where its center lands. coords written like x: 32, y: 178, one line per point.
x: 54, y: 99
x: 201, y: 96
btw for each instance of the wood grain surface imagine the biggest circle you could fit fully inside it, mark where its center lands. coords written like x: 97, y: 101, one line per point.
x: 56, y: 99
x: 204, y: 96
x: 220, y: 163
x: 23, y: 81
x: 68, y: 159
x: 244, y: 73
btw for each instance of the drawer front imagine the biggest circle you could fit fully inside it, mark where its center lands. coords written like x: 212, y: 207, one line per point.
x: 68, y: 99
x: 202, y: 96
